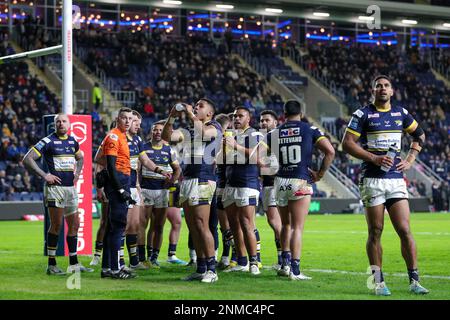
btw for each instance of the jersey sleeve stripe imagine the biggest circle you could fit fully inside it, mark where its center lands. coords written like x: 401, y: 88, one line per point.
x: 412, y: 127
x: 37, y: 152
x: 320, y: 138
x: 353, y: 132
x: 264, y: 144
x: 142, y: 153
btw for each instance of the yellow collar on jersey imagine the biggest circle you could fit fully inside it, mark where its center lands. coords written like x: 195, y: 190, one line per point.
x: 388, y: 108
x: 63, y: 137
x: 156, y: 147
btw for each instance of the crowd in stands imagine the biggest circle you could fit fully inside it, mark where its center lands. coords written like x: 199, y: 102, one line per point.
x: 416, y: 89
x: 189, y: 67
x: 183, y: 69
x: 24, y: 99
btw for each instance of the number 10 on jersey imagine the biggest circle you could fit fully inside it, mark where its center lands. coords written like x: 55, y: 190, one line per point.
x: 291, y: 154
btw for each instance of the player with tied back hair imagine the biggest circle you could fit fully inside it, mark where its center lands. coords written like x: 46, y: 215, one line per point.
x: 293, y: 144
x: 64, y: 160
x: 379, y: 127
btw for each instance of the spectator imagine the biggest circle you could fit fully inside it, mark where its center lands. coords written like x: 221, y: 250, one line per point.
x: 4, y: 185
x: 97, y: 97
x: 18, y: 184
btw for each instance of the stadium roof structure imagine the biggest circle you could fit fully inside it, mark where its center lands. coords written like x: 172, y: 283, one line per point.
x: 392, y: 13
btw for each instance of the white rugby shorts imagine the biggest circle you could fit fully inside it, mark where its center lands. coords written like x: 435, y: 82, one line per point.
x: 240, y: 196
x: 269, y: 199
x: 195, y: 192
x: 376, y: 191
x: 156, y: 198
x: 61, y: 197
x: 136, y: 196
x: 291, y: 189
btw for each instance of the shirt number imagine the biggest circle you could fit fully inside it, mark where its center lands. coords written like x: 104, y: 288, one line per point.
x: 291, y: 154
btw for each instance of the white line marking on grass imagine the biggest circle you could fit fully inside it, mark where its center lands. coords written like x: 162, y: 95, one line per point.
x: 365, y: 232
x: 365, y: 274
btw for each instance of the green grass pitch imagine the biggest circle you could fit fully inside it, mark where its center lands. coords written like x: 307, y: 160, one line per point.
x: 333, y: 254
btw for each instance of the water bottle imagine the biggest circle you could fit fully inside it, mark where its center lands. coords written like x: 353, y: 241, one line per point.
x: 391, y: 154
x: 180, y: 107
x: 227, y: 133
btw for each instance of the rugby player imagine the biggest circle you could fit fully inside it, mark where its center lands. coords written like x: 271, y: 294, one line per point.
x: 64, y: 160
x: 241, y: 193
x: 227, y: 236
x: 268, y: 121
x: 293, y: 144
x: 156, y: 195
x: 379, y: 126
x: 198, y: 186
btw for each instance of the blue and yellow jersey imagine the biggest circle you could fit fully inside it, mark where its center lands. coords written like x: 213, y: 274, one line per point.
x: 199, y: 156
x: 293, y: 145
x: 377, y: 131
x: 59, y: 155
x: 163, y: 156
x: 241, y: 173
x: 136, y: 146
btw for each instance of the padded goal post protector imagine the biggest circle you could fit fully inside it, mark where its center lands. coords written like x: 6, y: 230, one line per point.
x: 81, y: 130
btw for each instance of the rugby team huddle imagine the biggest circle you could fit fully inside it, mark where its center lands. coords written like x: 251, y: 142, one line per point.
x: 213, y: 169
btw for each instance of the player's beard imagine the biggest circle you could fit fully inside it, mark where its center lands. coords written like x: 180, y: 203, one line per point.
x: 382, y: 100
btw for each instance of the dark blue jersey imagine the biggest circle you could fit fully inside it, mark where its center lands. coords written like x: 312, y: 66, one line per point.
x: 268, y: 181
x: 136, y: 146
x: 59, y: 155
x: 199, y: 155
x: 163, y: 156
x: 242, y: 173
x: 293, y: 144
x: 221, y: 174
x: 377, y: 131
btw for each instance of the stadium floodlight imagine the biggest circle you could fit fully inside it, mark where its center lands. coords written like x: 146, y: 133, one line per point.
x: 447, y: 25
x: 274, y: 10
x: 366, y: 18
x: 224, y: 6
x: 172, y: 2
x: 406, y: 21
x: 321, y: 14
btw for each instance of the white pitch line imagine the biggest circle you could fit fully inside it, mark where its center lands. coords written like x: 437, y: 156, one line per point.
x: 365, y: 232
x: 365, y: 274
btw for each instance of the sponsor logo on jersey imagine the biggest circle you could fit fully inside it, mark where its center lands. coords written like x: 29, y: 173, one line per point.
x: 387, y: 123
x: 114, y: 137
x: 353, y: 123
x: 57, y: 142
x: 40, y: 145
x: 374, y: 124
x: 398, y: 123
x: 396, y: 114
x: 289, y: 132
x: 375, y: 115
x: 358, y: 113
